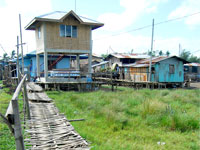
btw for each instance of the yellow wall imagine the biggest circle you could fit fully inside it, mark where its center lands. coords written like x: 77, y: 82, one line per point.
x: 54, y: 41
x: 138, y: 74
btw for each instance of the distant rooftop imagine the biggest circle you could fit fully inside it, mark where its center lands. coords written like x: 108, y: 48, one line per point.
x: 59, y: 16
x: 146, y: 62
x: 135, y: 56
x: 193, y: 64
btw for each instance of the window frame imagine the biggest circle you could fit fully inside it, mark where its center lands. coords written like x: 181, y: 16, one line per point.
x: 171, y: 68
x: 72, y: 33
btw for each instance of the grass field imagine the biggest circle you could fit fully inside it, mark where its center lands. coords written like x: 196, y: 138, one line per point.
x: 7, y: 141
x: 127, y: 119
x: 134, y: 119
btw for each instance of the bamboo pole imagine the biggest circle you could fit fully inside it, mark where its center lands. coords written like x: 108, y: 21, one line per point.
x: 21, y: 44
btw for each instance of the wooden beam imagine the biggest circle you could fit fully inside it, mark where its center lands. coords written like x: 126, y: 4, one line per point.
x: 15, y: 96
x: 68, y: 51
x: 76, y: 120
x: 7, y: 122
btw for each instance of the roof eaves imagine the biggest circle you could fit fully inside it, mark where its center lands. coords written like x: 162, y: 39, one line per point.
x: 74, y: 14
x: 29, y: 24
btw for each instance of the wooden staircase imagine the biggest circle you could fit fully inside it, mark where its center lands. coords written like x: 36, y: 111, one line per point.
x: 50, y: 67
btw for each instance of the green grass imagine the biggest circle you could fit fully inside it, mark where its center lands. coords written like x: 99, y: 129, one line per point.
x: 134, y: 119
x: 126, y: 119
x: 7, y: 141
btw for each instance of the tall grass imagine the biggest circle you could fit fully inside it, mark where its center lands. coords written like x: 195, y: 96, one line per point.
x: 134, y: 119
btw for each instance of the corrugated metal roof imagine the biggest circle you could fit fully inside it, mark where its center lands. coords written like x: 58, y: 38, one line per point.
x: 158, y: 59
x: 136, y: 56
x: 101, y: 63
x: 145, y: 62
x: 136, y: 65
x: 192, y: 64
x: 58, y: 16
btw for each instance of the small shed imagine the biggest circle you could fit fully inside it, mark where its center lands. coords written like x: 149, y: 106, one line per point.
x: 123, y: 59
x: 192, y: 71
x: 164, y: 70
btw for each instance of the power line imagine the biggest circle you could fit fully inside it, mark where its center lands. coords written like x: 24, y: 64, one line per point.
x: 3, y: 49
x: 196, y: 51
x: 148, y: 26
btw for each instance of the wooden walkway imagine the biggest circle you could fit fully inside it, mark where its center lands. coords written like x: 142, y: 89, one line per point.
x: 48, y: 129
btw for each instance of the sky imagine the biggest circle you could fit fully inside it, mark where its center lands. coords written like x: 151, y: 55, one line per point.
x: 120, y: 18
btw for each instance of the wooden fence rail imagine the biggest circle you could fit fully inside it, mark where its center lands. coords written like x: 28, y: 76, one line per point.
x: 12, y: 116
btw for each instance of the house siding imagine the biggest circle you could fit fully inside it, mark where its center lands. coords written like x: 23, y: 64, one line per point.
x: 163, y: 74
x: 63, y: 64
x: 54, y: 41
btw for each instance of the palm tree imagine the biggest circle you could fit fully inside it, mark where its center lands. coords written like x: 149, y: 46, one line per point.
x: 167, y: 53
x: 160, y: 53
x: 5, y: 57
x: 13, y: 54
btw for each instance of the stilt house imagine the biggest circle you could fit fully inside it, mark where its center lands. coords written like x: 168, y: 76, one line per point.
x: 64, y: 34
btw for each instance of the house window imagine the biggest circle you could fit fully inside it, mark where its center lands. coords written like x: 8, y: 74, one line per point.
x: 171, y: 69
x: 68, y: 31
x: 39, y: 33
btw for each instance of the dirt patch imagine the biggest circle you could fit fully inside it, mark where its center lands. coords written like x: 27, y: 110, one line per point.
x: 195, y: 85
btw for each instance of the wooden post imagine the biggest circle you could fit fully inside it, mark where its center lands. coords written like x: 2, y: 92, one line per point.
x: 45, y: 65
x: 18, y: 72
x: 38, y: 65
x: 19, y: 140
x: 26, y: 101
x: 21, y: 44
x: 78, y: 62
x: 90, y: 56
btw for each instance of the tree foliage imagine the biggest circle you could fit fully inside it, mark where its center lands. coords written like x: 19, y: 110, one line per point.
x: 104, y: 55
x: 189, y: 57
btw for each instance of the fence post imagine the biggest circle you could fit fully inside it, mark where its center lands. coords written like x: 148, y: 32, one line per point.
x: 26, y: 101
x: 19, y: 140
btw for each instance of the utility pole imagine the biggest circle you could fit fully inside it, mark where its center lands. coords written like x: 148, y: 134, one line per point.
x: 179, y: 49
x: 18, y: 72
x: 150, y: 63
x: 21, y: 44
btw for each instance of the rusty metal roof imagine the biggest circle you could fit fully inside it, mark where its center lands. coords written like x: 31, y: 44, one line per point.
x: 158, y: 59
x: 145, y: 62
x: 136, y: 65
x: 154, y: 60
x: 135, y: 56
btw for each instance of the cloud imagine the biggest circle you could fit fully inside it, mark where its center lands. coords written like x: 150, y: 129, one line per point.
x: 9, y: 15
x: 133, y: 9
x: 124, y: 43
x: 187, y: 7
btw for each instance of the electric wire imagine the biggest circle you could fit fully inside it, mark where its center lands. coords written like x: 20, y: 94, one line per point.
x: 148, y: 26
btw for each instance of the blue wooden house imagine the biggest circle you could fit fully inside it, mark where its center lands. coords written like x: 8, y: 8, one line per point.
x: 164, y: 70
x: 55, y: 62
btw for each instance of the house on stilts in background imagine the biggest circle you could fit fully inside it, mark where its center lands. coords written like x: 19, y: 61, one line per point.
x: 63, y: 34
x: 169, y: 70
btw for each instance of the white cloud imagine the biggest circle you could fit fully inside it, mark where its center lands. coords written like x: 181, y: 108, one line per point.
x: 9, y: 15
x: 124, y: 43
x: 187, y: 7
x: 133, y: 10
